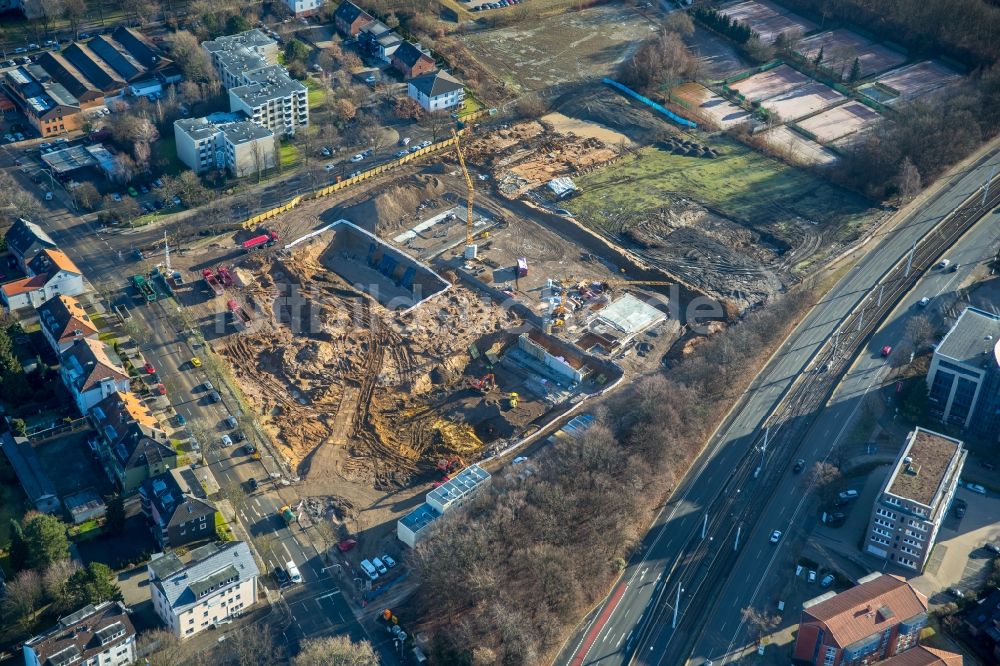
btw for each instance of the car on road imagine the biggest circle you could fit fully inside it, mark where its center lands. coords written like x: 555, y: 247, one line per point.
x: 520, y: 459
x: 945, y: 263
x: 280, y: 576
x: 357, y: 158
x: 960, y: 506
x: 253, y: 483
x: 827, y: 580
x: 45, y: 144
x: 195, y: 362
x: 992, y: 547
x: 149, y: 368
x: 207, y: 386
x: 922, y: 303
x: 161, y: 389
x: 886, y: 351
x: 976, y: 488
x: 811, y: 577
x: 775, y: 536
x: 227, y: 441
x: 388, y: 561
x: 181, y: 420
x: 214, y: 397
x: 800, y: 465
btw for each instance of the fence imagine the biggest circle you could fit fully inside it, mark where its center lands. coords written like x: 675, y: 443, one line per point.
x: 347, y: 182
x: 683, y: 122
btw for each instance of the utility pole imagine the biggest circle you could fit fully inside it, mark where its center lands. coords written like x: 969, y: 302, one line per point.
x: 736, y: 544
x: 166, y: 252
x: 704, y: 526
x: 909, y: 260
x: 880, y: 292
x: 836, y: 341
x: 986, y: 185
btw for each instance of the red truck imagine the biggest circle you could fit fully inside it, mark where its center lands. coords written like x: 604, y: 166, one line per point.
x: 225, y: 277
x: 264, y: 240
x: 211, y: 281
x: 241, y: 317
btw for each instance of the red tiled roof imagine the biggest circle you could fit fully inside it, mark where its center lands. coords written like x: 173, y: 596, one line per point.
x: 858, y: 612
x: 924, y: 656
x: 61, y: 261
x: 25, y: 285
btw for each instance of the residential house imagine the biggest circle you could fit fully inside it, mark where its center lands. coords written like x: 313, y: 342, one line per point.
x: 923, y: 655
x: 239, y: 146
x: 100, y: 635
x: 50, y: 273
x: 36, y: 483
x: 964, y: 376
x: 63, y: 320
x: 91, y: 371
x: 219, y: 582
x: 177, y: 507
x: 304, y: 7
x: 436, y: 91
x: 410, y: 61
x: 349, y: 19
x: 85, y: 505
x: 130, y: 443
x: 876, y: 619
x: 26, y: 239
x: 377, y: 39
x: 914, y: 499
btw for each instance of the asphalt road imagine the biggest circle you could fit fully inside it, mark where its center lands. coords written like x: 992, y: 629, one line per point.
x: 609, y: 635
x: 759, y: 559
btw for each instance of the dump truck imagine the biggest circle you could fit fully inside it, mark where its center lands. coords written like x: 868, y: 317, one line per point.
x: 287, y: 514
x: 144, y: 288
x: 225, y: 277
x: 211, y: 281
x: 241, y: 316
x: 263, y: 240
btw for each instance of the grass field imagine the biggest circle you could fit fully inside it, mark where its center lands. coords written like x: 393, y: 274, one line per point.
x: 740, y: 184
x: 316, y: 94
x: 289, y: 155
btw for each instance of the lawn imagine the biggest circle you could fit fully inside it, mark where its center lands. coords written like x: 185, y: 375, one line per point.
x: 166, y: 159
x: 13, y: 504
x: 741, y: 184
x: 470, y: 105
x: 316, y: 94
x: 289, y: 155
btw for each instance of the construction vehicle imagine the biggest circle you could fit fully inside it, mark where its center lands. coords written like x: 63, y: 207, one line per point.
x: 263, y: 240
x: 287, y: 514
x: 225, y: 277
x: 213, y: 282
x: 144, y: 288
x: 449, y: 466
x: 471, y: 250
x: 512, y: 400
x: 241, y: 317
x: 486, y: 383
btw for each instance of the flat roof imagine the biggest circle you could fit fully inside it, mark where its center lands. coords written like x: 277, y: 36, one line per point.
x: 973, y: 339
x: 630, y: 315
x: 930, y: 455
x: 269, y: 85
x: 244, y: 131
x: 197, y: 128
x: 419, y: 518
x: 465, y: 482
x: 69, y: 159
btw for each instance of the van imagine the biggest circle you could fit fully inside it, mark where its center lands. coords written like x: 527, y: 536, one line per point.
x: 293, y: 572
x: 369, y: 569
x: 378, y: 564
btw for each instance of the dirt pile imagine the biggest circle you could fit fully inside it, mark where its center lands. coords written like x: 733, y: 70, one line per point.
x: 349, y: 388
x: 395, y: 205
x: 529, y: 154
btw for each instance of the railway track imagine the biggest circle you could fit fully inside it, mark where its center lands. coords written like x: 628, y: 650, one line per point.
x: 702, y: 571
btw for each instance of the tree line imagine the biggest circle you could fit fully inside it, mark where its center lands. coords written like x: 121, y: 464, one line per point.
x: 504, y: 579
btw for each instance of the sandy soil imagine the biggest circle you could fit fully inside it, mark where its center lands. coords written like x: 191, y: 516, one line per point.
x: 920, y: 79
x: 566, y: 125
x: 840, y: 121
x: 771, y: 83
x: 716, y: 110
x: 803, y: 101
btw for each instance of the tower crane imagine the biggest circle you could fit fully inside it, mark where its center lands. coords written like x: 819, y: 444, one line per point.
x: 470, y: 248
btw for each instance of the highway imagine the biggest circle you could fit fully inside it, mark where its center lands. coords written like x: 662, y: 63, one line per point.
x: 635, y: 621
x: 758, y: 560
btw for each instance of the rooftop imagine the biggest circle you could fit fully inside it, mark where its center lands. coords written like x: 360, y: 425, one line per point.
x: 21, y: 455
x: 197, y: 128
x: 923, y: 655
x: 923, y: 466
x: 63, y: 317
x: 420, y: 517
x: 271, y: 85
x: 436, y: 83
x: 974, y: 339
x: 465, y: 482
x: 244, y: 131
x: 212, y: 568
x: 878, y: 601
x: 83, y: 634
x: 630, y: 315
x: 23, y: 234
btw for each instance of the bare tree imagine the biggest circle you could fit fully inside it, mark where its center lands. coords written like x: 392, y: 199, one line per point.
x: 336, y: 651
x: 234, y: 493
x: 54, y: 582
x: 24, y: 598
x: 162, y: 648
x: 254, y: 646
x: 920, y: 331
x: 760, y: 622
x: 823, y: 478
x: 908, y: 179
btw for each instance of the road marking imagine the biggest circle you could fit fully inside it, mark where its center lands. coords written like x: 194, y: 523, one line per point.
x: 285, y: 546
x: 329, y: 594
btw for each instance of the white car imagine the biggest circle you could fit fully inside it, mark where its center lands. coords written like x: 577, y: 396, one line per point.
x: 922, y: 303
x: 227, y: 440
x: 329, y: 168
x: 405, y: 141
x: 424, y: 144
x: 812, y: 576
x: 48, y: 196
x: 775, y: 536
x: 520, y: 459
x: 976, y: 488
x: 401, y: 153
x: 358, y: 158
x: 326, y: 152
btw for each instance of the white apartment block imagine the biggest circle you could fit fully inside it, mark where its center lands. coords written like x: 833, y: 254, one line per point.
x: 436, y: 91
x: 232, y: 143
x: 304, y: 7
x: 235, y: 55
x: 99, y: 635
x: 219, y: 582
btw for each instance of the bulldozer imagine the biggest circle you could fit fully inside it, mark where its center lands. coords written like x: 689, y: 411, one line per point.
x: 486, y: 383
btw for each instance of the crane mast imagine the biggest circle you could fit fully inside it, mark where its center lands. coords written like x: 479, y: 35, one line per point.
x: 470, y: 247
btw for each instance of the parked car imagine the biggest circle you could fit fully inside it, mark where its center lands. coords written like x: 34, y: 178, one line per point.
x: 976, y: 488
x: 231, y: 422
x: 401, y: 153
x: 520, y: 459
x: 886, y: 351
x: 253, y: 483
x: 207, y: 386
x: 405, y: 141
x: 280, y: 576
x: 800, y: 465
x: 238, y: 436
x: 835, y: 519
x: 848, y: 495
x: 181, y: 420
x: 346, y: 545
x: 132, y: 192
x: 955, y: 592
x: 329, y: 168
x: 388, y: 561
x: 993, y: 548
x: 48, y: 196
x: 811, y: 577
x: 922, y: 303
x: 249, y: 449
x: 227, y: 441
x: 357, y: 158
x: 45, y: 144
x: 326, y: 152
x: 149, y: 368
x: 960, y: 506
x: 195, y: 362
x: 161, y: 389
x: 945, y: 263
x: 214, y: 397
x: 827, y: 580
x: 116, y: 196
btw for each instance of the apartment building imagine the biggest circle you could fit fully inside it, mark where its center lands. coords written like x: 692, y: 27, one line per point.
x: 964, y: 377
x: 232, y: 143
x: 304, y: 7
x: 63, y: 320
x: 234, y: 56
x: 218, y: 582
x: 178, y: 510
x: 130, y: 443
x: 100, y: 635
x: 91, y: 371
x: 273, y: 100
x: 437, y: 91
x: 25, y: 240
x: 914, y: 500
x: 45, y: 102
x: 876, y: 619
